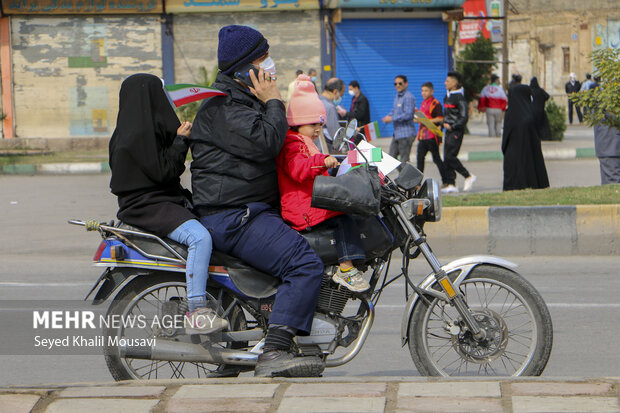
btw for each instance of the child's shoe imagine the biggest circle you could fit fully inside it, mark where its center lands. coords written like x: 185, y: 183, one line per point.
x: 204, y: 321
x: 352, y: 279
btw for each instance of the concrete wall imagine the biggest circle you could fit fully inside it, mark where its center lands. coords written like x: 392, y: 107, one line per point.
x: 543, y: 230
x: 294, y: 40
x: 67, y: 71
x: 540, y: 33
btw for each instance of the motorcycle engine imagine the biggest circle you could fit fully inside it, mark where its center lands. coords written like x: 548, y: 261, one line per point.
x: 332, y: 297
x: 324, y: 330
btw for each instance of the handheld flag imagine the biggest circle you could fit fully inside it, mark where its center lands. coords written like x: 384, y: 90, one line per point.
x: 183, y: 94
x: 372, y: 131
x: 421, y: 117
x: 372, y: 154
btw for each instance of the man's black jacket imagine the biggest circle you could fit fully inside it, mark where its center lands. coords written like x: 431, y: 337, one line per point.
x: 455, y: 110
x: 235, y: 140
x: 360, y: 110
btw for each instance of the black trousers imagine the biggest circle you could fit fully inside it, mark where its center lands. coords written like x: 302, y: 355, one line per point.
x: 452, y: 145
x: 430, y: 145
x: 570, y: 112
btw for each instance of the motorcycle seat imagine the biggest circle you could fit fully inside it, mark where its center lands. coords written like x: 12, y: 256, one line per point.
x: 250, y: 281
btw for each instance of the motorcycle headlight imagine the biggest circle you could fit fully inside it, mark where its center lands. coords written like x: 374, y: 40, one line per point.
x: 430, y: 191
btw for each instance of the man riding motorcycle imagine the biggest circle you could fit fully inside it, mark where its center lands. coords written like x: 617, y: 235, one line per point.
x: 234, y: 141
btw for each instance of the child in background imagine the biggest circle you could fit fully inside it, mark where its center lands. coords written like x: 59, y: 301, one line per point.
x: 298, y: 163
x: 428, y: 141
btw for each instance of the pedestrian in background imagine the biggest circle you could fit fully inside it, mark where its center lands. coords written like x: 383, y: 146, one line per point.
x: 493, y: 101
x: 573, y: 86
x: 291, y: 86
x: 539, y: 98
x: 515, y: 80
x: 455, y: 120
x: 524, y: 165
x: 428, y: 141
x: 586, y: 84
x: 607, y: 149
x: 331, y: 98
x: 360, y: 109
x: 313, y: 77
x: 402, y: 117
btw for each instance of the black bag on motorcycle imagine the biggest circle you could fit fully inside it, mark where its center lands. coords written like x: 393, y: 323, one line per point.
x: 357, y: 192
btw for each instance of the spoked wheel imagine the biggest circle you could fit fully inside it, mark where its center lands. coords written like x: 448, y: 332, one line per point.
x: 142, y: 301
x: 508, y: 308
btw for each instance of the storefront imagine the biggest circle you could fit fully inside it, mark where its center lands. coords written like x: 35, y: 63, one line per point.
x: 373, y: 46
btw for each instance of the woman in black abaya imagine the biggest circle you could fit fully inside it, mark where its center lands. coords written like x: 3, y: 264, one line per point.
x: 524, y: 165
x: 147, y: 157
x: 540, y: 98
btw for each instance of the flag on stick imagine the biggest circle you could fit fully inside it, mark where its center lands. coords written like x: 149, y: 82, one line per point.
x: 372, y: 131
x: 183, y: 94
x: 372, y: 154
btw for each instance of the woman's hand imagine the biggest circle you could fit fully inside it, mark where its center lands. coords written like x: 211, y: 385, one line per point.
x: 331, y: 162
x: 185, y: 129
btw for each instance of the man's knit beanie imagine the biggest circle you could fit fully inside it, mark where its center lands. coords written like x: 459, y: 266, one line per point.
x: 238, y: 46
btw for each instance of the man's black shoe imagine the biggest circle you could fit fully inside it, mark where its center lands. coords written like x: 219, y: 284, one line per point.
x: 282, y: 363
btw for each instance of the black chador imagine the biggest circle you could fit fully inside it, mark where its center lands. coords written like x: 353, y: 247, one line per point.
x: 524, y: 165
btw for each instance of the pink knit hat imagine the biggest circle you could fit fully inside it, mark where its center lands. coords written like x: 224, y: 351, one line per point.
x: 305, y: 107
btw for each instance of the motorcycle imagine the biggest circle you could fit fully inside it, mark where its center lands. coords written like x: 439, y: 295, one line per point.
x: 475, y: 316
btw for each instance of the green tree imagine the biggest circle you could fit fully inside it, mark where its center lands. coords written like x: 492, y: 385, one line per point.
x: 557, y: 120
x: 188, y: 112
x: 602, y: 104
x: 476, y: 75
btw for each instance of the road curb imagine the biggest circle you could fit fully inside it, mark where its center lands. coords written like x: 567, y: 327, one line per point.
x: 56, y: 168
x: 540, y: 230
x: 558, y: 154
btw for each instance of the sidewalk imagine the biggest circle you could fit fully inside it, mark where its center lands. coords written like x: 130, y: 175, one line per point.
x: 578, y: 143
x: 363, y: 394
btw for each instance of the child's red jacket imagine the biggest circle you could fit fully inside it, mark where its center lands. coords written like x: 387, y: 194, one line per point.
x: 295, y: 180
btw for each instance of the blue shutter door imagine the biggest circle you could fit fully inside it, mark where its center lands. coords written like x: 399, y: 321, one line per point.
x: 374, y: 51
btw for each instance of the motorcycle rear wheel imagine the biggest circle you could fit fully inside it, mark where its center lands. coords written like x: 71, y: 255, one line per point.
x: 144, y: 295
x: 510, y: 310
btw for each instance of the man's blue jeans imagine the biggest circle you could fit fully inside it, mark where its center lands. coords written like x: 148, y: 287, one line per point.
x: 257, y: 234
x: 198, y: 241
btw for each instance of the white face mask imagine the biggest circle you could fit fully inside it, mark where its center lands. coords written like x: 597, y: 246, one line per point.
x: 268, y: 65
x: 351, y: 93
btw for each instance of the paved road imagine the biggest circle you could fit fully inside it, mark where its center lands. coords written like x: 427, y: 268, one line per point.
x: 43, y: 257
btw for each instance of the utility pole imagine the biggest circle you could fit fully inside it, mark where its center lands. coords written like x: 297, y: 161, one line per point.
x: 505, y: 47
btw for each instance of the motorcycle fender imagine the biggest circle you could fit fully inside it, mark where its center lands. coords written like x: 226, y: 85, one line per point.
x: 457, y: 271
x: 111, y: 280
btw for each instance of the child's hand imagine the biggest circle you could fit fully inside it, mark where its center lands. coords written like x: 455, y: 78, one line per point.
x: 185, y: 129
x: 331, y: 162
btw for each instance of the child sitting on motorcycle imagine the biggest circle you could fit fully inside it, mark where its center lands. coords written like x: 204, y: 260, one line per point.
x: 298, y: 164
x: 147, y: 157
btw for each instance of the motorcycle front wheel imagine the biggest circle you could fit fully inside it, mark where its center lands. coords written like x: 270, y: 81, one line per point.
x: 517, y: 323
x: 143, y: 299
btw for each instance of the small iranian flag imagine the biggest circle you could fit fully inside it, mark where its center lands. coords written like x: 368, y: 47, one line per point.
x: 183, y: 94
x: 372, y: 154
x: 372, y: 131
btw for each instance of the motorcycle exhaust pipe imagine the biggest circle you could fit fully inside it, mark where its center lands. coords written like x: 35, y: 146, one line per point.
x: 168, y: 350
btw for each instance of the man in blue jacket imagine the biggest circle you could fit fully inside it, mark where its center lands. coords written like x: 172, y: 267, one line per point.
x: 402, y: 117
x: 235, y: 140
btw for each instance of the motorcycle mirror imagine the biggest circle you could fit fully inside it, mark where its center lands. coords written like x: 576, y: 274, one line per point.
x: 339, y: 139
x: 410, y: 177
x: 352, y: 129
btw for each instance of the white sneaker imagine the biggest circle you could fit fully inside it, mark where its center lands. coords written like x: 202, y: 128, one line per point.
x: 469, y: 182
x: 449, y: 189
x: 203, y: 321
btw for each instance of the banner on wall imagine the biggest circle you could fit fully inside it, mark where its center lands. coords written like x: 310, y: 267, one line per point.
x: 199, y: 6
x: 490, y: 28
x: 392, y: 4
x: 82, y: 6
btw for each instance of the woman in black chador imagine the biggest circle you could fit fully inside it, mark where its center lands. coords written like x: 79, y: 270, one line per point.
x: 524, y: 165
x: 540, y: 116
